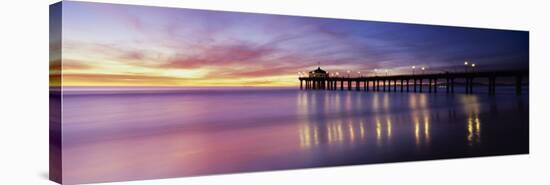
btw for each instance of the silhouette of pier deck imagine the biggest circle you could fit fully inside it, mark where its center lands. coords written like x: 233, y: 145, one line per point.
x: 416, y: 82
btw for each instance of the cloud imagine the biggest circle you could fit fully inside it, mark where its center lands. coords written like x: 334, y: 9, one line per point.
x: 119, y: 79
x: 220, y: 55
x: 265, y: 70
x: 70, y: 64
x: 215, y: 46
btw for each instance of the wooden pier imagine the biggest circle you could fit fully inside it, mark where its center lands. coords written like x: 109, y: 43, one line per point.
x: 415, y: 83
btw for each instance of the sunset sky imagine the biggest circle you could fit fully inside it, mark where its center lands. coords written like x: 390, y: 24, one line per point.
x: 124, y: 45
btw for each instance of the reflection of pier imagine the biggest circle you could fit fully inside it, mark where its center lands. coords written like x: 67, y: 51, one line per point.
x: 382, y: 126
x: 413, y: 83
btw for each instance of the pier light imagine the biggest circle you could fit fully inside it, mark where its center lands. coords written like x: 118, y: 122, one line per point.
x: 473, y: 65
x: 423, y: 68
x: 414, y: 67
x: 466, y: 66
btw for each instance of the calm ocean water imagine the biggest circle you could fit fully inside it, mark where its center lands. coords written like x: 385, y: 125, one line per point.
x: 111, y: 134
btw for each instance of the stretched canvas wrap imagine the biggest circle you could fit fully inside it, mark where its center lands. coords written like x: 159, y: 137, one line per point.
x: 140, y: 92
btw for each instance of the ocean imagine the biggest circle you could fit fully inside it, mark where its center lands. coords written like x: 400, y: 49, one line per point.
x: 114, y: 134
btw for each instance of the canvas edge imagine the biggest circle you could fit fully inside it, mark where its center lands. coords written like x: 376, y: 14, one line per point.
x: 55, y: 110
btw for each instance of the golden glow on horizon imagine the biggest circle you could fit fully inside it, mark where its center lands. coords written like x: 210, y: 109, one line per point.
x: 78, y: 70
x: 75, y: 79
x: 91, y: 71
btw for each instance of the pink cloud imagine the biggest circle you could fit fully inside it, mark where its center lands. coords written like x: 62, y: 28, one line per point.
x: 220, y: 55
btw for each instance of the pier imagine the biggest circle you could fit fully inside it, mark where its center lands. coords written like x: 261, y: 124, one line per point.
x: 415, y: 82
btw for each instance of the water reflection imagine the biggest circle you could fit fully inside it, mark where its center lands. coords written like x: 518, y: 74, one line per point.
x: 473, y: 124
x: 427, y: 128
x: 263, y: 130
x: 388, y: 126
x: 341, y: 132
x: 362, y: 129
x: 332, y: 125
x: 316, y: 129
x: 420, y: 114
x: 474, y: 131
x: 378, y: 131
x: 351, y: 132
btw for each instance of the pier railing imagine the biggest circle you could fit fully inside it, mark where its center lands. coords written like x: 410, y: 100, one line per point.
x: 414, y: 83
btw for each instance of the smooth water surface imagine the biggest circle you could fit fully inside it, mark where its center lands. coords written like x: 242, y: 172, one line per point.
x: 169, y: 133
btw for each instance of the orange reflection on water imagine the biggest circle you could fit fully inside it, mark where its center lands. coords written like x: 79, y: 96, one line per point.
x: 383, y: 127
x: 418, y: 105
x: 388, y: 126
x: 335, y: 133
x: 351, y: 132
x: 474, y: 130
x: 470, y: 131
x: 378, y: 132
x: 473, y: 123
x: 340, y: 133
x: 478, y: 129
x: 362, y: 127
x: 421, y: 137
x: 417, y: 131
x: 305, y: 137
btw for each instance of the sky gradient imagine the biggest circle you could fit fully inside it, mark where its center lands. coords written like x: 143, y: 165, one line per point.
x: 126, y: 45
